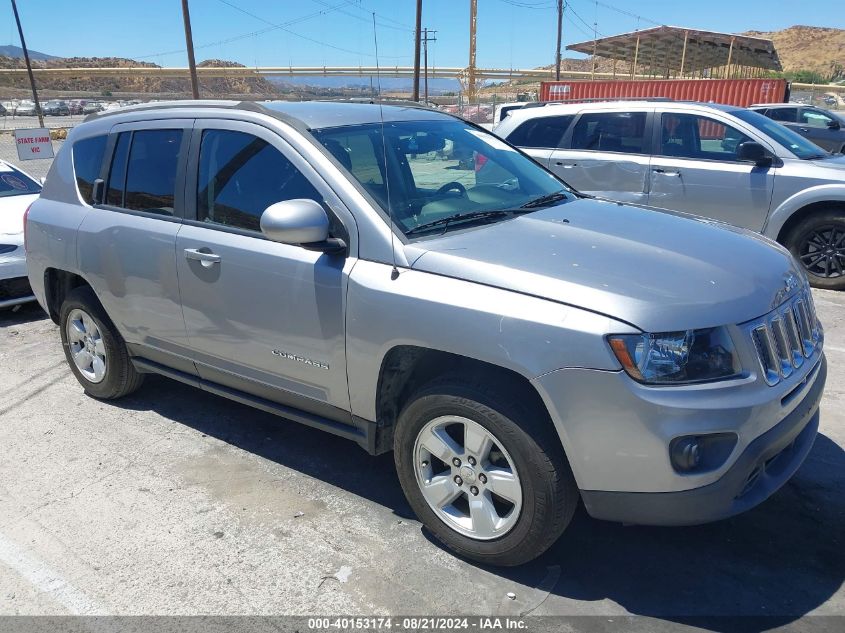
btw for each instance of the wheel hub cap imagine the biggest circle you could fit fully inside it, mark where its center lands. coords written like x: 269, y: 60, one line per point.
x: 87, y: 349
x: 467, y: 477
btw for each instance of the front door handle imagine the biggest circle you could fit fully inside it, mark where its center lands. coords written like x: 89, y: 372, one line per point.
x: 206, y: 259
x: 666, y: 172
x: 804, y: 129
x: 566, y: 165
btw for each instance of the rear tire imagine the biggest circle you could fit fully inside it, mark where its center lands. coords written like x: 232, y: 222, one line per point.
x: 818, y: 242
x: 515, y: 493
x: 94, y: 349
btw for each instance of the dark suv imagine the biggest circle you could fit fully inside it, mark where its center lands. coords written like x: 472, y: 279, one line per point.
x: 56, y: 108
x: 822, y: 127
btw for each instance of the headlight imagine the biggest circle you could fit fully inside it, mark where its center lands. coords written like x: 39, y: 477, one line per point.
x: 677, y: 357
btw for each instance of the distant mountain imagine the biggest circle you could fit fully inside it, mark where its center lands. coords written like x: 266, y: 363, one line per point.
x: 17, y: 52
x: 435, y: 86
x: 817, y: 48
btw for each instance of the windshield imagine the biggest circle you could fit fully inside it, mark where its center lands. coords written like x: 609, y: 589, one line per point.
x: 16, y: 183
x: 439, y: 169
x: 794, y: 142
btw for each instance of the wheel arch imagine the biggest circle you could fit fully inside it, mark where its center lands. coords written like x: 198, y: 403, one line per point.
x: 405, y: 368
x: 797, y: 207
x: 57, y: 284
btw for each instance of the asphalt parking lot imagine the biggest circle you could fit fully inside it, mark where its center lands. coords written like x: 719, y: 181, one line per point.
x: 23, y: 122
x: 174, y: 501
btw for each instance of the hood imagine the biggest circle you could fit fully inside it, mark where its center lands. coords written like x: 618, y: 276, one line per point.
x: 656, y: 270
x: 12, y: 209
x: 835, y: 163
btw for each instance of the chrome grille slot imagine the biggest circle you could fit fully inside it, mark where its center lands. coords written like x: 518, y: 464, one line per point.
x: 766, y: 353
x: 778, y: 331
x: 804, y: 328
x: 795, y: 347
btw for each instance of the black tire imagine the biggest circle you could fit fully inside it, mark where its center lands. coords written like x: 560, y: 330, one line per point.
x: 120, y: 377
x: 797, y: 241
x: 549, y: 493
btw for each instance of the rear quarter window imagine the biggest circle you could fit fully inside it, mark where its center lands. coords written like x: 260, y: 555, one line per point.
x: 87, y: 160
x: 541, y: 132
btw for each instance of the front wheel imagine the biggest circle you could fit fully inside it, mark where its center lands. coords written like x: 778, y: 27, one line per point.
x: 485, y: 474
x: 818, y: 242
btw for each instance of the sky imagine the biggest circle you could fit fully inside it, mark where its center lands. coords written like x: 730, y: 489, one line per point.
x: 511, y: 33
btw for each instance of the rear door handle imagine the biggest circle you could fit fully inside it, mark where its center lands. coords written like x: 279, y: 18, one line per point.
x: 206, y: 259
x: 804, y: 129
x: 666, y: 172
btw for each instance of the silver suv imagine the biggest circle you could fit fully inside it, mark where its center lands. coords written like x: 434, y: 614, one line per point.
x: 518, y: 346
x: 720, y: 162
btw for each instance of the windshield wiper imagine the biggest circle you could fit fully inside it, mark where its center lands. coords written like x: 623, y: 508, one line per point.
x: 544, y: 200
x: 458, y: 217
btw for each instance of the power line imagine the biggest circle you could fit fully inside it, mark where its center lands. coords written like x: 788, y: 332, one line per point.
x: 365, y: 20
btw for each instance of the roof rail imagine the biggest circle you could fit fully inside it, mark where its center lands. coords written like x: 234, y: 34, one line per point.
x: 540, y: 104
x: 184, y: 103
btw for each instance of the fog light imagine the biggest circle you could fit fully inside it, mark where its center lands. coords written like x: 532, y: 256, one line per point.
x: 686, y: 453
x: 701, y: 453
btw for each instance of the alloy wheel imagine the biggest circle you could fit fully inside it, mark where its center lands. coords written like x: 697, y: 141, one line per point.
x: 87, y: 348
x: 467, y: 477
x: 822, y: 251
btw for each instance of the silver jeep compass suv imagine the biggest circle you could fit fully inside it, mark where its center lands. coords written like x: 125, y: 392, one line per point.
x: 518, y: 346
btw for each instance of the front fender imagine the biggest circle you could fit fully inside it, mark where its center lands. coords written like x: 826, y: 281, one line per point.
x: 820, y: 193
x: 525, y: 334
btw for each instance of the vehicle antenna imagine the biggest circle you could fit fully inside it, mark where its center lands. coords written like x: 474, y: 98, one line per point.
x: 394, y: 274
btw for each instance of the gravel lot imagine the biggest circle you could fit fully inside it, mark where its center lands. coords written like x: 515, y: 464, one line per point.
x: 173, y: 501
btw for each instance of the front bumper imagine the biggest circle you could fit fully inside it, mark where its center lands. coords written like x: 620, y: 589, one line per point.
x: 765, y: 465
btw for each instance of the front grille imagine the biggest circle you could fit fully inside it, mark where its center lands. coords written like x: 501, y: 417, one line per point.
x: 786, y: 337
x: 15, y: 288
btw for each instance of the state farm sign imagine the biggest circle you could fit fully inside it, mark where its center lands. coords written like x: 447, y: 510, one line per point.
x: 34, y: 143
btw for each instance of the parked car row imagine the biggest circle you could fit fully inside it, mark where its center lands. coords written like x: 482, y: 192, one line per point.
x: 60, y: 107
x: 727, y: 163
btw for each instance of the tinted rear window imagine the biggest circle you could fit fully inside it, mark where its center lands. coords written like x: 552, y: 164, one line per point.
x: 544, y: 131
x: 151, y: 171
x: 610, y: 132
x: 87, y: 160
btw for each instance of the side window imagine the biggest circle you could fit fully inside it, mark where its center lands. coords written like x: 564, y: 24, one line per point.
x: 539, y: 132
x: 241, y: 175
x: 785, y: 115
x: 693, y: 136
x: 117, y: 172
x: 151, y: 171
x: 610, y: 132
x: 815, y: 118
x: 87, y: 160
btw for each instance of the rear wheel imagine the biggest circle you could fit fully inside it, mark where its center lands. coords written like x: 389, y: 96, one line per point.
x: 485, y: 473
x: 818, y: 242
x: 94, y: 349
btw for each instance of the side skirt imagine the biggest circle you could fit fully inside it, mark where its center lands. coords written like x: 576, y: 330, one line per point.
x: 364, y: 435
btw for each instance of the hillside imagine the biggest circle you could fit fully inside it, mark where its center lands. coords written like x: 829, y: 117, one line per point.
x: 16, y: 51
x: 218, y: 87
x: 817, y: 48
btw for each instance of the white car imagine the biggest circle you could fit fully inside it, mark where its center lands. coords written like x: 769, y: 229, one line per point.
x: 18, y: 190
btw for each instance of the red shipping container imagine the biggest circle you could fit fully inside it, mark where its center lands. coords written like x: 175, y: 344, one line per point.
x: 738, y: 92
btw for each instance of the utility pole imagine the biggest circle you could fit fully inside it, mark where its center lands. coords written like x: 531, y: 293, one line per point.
x: 417, y: 52
x: 473, y: 19
x: 28, y: 67
x: 426, y: 40
x: 189, y: 42
x: 559, y: 36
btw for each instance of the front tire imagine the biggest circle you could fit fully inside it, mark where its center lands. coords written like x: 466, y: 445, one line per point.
x: 483, y: 471
x: 94, y: 349
x: 818, y: 242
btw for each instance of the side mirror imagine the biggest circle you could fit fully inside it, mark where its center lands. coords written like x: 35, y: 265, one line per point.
x: 833, y: 124
x: 752, y: 152
x: 302, y: 222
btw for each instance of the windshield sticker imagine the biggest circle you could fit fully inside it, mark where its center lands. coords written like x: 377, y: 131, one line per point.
x: 5, y: 167
x: 14, y: 182
x: 491, y: 140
